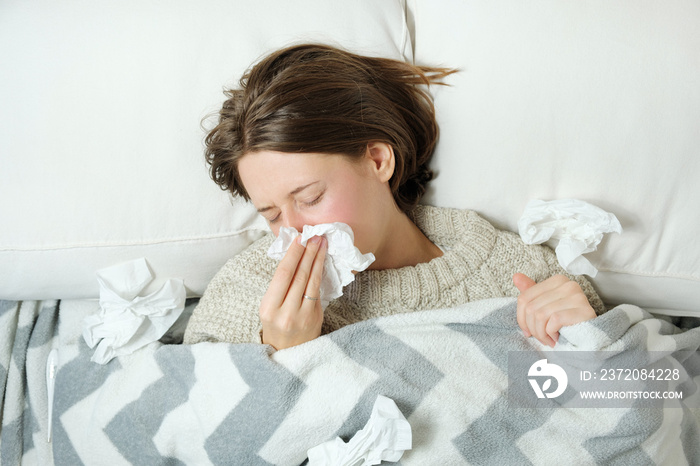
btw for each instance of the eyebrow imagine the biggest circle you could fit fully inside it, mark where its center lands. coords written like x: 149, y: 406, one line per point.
x: 292, y: 193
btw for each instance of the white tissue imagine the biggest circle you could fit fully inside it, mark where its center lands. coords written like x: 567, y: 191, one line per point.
x: 125, y: 321
x: 578, y: 225
x: 342, y: 257
x: 385, y: 437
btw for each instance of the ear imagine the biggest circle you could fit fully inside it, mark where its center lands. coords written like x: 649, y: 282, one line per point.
x: 381, y: 155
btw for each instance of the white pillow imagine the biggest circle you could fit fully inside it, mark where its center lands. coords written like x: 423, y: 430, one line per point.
x: 592, y: 100
x: 101, y: 154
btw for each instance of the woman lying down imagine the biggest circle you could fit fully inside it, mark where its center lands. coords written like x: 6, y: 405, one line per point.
x: 316, y: 135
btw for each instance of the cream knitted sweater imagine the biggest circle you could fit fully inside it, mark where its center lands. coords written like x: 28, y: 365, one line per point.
x: 478, y: 262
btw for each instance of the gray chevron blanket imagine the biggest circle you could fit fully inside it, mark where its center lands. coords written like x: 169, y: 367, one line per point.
x: 473, y: 389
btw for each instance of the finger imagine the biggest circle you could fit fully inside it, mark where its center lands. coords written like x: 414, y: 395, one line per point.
x: 531, y: 323
x: 563, y: 318
x: 566, y: 295
x: 313, y: 288
x: 543, y: 287
x: 542, y: 318
x: 535, y: 323
x: 542, y: 309
x: 568, y: 310
x: 522, y: 321
x: 547, y: 340
x: 538, y: 330
x: 533, y: 296
x: 522, y: 282
x: 284, y: 274
x: 540, y: 302
x: 303, y: 272
x: 570, y: 316
x: 556, y: 322
x: 551, y: 295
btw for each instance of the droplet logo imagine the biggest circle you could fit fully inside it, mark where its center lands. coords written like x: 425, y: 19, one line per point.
x: 542, y: 370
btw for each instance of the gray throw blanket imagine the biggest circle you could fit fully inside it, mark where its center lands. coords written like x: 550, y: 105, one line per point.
x: 447, y: 370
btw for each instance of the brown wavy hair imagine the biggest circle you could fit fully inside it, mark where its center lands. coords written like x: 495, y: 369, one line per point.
x: 321, y: 99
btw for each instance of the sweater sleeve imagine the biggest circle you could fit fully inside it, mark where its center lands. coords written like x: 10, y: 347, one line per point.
x: 229, y: 309
x: 511, y: 255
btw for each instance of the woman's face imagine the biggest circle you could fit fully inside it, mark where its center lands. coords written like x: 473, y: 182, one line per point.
x: 293, y: 190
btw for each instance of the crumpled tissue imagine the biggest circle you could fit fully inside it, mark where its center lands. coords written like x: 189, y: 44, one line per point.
x: 127, y: 322
x: 385, y: 437
x: 342, y: 257
x: 578, y: 225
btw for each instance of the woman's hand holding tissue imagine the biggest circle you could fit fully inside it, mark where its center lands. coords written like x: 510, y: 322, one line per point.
x: 545, y: 307
x: 289, y: 314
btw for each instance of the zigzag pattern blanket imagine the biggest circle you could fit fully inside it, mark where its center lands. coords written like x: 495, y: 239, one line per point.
x: 447, y: 370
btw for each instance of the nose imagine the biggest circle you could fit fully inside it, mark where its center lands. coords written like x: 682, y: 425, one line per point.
x: 293, y: 219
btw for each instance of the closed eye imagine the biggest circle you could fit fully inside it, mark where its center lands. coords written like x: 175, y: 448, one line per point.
x: 274, y: 220
x: 315, y: 201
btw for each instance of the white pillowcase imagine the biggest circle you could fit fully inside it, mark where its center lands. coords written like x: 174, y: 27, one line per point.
x: 101, y: 153
x: 593, y: 100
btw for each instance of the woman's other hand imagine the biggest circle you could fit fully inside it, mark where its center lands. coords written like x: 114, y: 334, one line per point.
x: 546, y: 307
x: 288, y: 317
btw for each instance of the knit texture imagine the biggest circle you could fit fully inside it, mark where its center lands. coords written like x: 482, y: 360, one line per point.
x: 479, y: 262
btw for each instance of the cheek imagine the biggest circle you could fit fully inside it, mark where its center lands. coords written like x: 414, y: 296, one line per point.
x: 341, y: 209
x: 354, y: 212
x: 334, y: 209
x: 342, y: 202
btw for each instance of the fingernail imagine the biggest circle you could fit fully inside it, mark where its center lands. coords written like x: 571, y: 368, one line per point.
x: 315, y: 239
